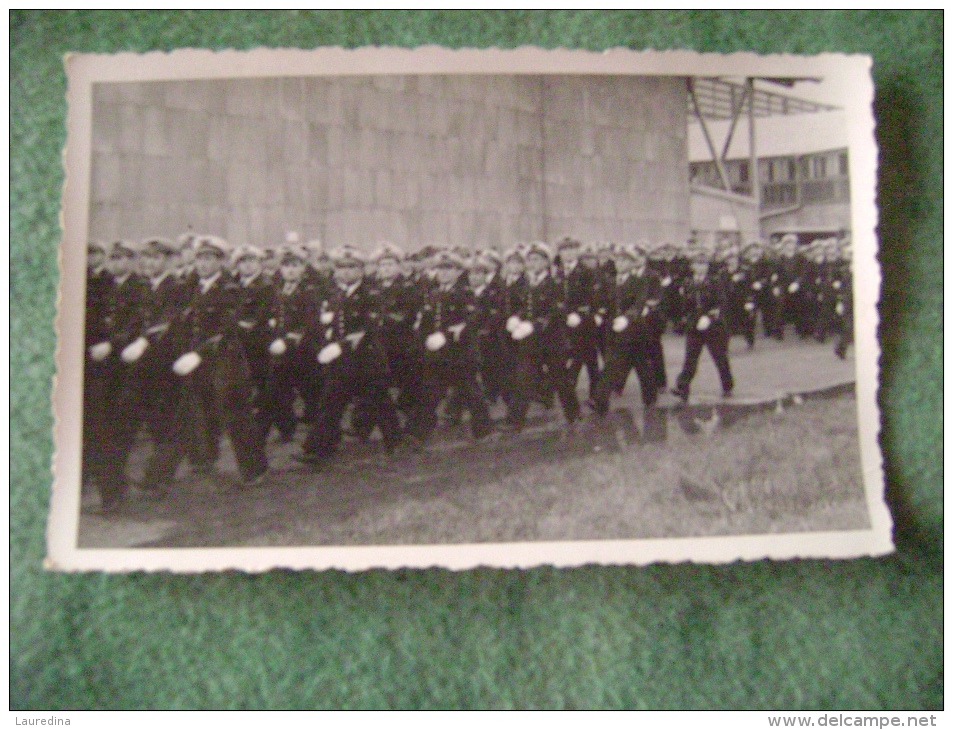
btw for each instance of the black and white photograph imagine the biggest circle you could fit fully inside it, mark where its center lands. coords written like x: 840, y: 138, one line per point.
x: 388, y: 308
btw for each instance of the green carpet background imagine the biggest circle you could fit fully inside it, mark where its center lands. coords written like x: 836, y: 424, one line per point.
x: 863, y: 634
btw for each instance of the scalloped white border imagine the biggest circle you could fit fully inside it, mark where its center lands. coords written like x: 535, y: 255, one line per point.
x: 853, y: 83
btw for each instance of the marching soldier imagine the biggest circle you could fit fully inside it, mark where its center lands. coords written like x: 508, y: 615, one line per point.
x: 152, y: 392
x: 843, y: 293
x: 450, y: 358
x: 216, y: 382
x: 740, y: 312
x: 293, y: 321
x: 355, y: 364
x: 255, y: 305
x: 536, y: 325
x: 98, y: 282
x: 488, y: 323
x: 118, y: 325
x: 580, y: 288
x: 399, y: 303
x: 705, y: 326
x: 633, y: 304
x: 758, y: 274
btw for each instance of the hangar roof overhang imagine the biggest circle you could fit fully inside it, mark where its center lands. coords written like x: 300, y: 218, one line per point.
x: 712, y: 99
x: 719, y: 98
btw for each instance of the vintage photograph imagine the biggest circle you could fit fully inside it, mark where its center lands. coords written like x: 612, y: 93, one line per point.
x: 408, y: 308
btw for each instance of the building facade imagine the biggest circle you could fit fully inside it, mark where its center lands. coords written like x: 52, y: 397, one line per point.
x: 463, y: 160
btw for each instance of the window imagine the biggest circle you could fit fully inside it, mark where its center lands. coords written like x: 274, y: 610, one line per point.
x: 842, y: 164
x: 743, y: 172
x: 819, y: 167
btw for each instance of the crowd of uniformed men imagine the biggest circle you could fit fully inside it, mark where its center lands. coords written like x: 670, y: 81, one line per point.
x: 192, y: 339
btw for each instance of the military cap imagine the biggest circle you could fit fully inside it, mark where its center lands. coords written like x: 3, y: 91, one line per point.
x: 629, y: 250
x: 212, y: 244
x: 292, y: 237
x: 488, y: 260
x: 388, y: 250
x: 127, y: 247
x: 448, y: 259
x: 539, y: 248
x: 514, y: 252
x: 788, y: 238
x: 293, y: 251
x: 96, y: 246
x: 587, y: 250
x: 346, y: 255
x: 159, y: 245
x: 186, y: 239
x: 247, y: 251
x: 752, y: 244
x: 568, y: 242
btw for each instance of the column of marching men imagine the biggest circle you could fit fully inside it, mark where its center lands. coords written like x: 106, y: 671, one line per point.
x: 193, y: 339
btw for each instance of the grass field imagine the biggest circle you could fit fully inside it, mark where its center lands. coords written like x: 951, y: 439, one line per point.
x: 767, y: 473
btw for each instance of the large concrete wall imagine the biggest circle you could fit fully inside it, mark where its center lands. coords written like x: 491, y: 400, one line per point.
x: 472, y: 160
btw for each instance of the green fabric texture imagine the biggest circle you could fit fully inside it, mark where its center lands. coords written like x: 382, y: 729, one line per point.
x: 811, y: 634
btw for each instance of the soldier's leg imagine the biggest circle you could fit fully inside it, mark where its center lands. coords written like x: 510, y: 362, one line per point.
x: 235, y: 403
x: 716, y: 340
x: 694, y: 342
x: 613, y: 377
x: 471, y: 394
x: 564, y: 386
x: 325, y: 433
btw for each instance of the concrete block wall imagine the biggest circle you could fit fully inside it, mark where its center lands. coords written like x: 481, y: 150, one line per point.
x: 471, y: 160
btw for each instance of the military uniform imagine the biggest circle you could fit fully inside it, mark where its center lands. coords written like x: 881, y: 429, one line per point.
x: 294, y: 322
x: 705, y: 298
x: 540, y: 346
x: 354, y: 364
x: 118, y: 325
x: 632, y: 311
x: 216, y: 381
x: 449, y: 353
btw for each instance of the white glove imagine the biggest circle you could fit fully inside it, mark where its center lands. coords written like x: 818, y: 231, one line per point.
x: 327, y: 317
x: 245, y: 324
x: 295, y: 337
x: 457, y: 329
x: 522, y: 330
x: 598, y: 320
x: 836, y: 285
x: 736, y: 277
x: 329, y: 353
x: 355, y: 339
x: 133, y: 351
x: 839, y: 308
x: 776, y: 291
x: 620, y: 323
x: 101, y: 351
x: 187, y: 363
x: 667, y: 281
x: 435, y: 341
x: 793, y: 287
x: 278, y: 347
x: 573, y: 320
x: 704, y: 322
x: 749, y: 306
x: 757, y: 286
x: 512, y: 323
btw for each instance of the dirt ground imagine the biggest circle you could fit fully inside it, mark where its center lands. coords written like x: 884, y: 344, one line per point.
x: 601, y: 482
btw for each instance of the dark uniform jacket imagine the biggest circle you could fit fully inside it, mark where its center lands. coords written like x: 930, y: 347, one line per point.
x: 705, y: 298
x: 355, y: 326
x: 636, y: 297
x: 447, y: 308
x: 120, y: 313
x: 162, y: 302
